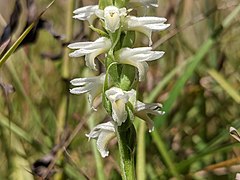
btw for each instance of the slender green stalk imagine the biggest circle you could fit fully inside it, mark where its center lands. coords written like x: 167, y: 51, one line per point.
x: 62, y: 115
x: 21, y: 38
x: 141, y: 153
x: 63, y: 108
x: 225, y: 85
x: 126, y: 152
x: 16, y: 44
x: 69, y: 35
x: 165, y: 154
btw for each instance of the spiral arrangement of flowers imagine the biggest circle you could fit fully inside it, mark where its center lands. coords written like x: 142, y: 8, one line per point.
x: 125, y: 66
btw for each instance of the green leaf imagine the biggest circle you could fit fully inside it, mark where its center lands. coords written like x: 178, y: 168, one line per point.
x: 127, y: 78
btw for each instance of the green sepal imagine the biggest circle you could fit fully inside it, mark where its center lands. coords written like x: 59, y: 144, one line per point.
x: 104, y: 3
x: 99, y: 31
x: 129, y: 39
x: 115, y: 38
x: 112, y: 69
x: 106, y: 103
x: 120, y: 3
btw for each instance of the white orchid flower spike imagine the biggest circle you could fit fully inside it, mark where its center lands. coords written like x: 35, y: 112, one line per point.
x: 118, y: 99
x: 137, y: 57
x: 112, y: 17
x: 103, y: 133
x: 86, y: 13
x: 142, y: 110
x: 146, y: 25
x: 91, y: 85
x: 90, y: 50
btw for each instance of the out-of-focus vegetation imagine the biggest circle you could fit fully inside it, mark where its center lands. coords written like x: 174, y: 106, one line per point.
x: 43, y: 127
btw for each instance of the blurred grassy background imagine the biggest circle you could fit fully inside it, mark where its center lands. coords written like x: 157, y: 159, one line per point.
x: 41, y: 121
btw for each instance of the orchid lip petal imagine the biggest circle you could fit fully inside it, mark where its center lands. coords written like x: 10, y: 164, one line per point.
x: 111, y: 15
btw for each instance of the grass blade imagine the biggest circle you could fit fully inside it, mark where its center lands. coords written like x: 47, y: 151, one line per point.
x: 16, y: 44
x: 225, y: 85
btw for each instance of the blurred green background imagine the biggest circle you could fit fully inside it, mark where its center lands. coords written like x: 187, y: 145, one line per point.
x: 43, y: 127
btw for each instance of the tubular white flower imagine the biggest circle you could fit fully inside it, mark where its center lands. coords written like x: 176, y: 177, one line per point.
x: 91, y: 85
x: 103, y: 133
x: 112, y: 17
x: 142, y: 110
x: 86, y: 13
x: 137, y: 57
x: 118, y: 99
x: 146, y: 25
x: 90, y: 50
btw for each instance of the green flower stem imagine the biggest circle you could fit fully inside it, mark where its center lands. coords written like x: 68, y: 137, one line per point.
x: 123, y: 77
x: 126, y: 138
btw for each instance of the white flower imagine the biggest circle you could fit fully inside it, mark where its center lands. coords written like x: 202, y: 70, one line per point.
x: 142, y: 110
x: 237, y: 176
x: 91, y: 85
x: 90, y: 50
x: 146, y: 3
x: 112, y: 17
x: 86, y: 13
x: 103, y: 133
x: 137, y: 57
x: 118, y: 99
x: 146, y: 25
